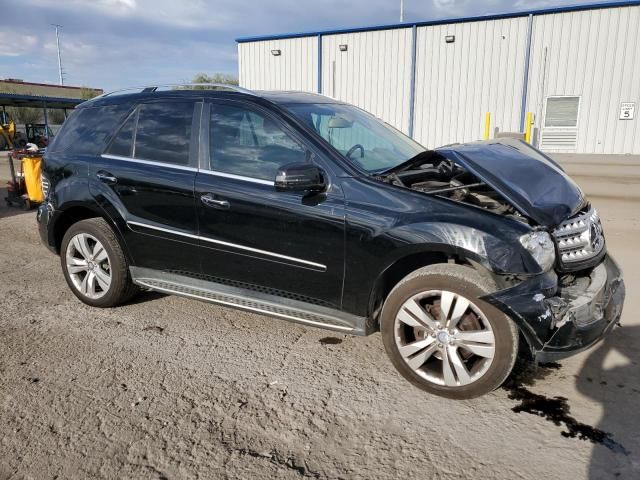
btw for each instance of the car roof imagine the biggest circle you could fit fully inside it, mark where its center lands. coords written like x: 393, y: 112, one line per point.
x: 290, y: 97
x: 207, y: 91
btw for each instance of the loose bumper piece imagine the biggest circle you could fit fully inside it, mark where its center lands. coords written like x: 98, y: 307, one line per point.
x: 568, y: 318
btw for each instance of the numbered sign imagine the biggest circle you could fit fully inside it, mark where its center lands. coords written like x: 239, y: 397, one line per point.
x: 627, y: 110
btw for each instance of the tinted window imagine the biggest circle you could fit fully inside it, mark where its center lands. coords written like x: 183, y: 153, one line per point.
x: 164, y: 132
x: 369, y: 142
x: 247, y: 143
x: 122, y: 143
x: 86, y: 130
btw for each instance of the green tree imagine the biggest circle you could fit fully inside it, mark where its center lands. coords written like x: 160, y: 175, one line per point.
x: 22, y: 115
x: 87, y: 93
x: 56, y: 116
x: 224, y: 78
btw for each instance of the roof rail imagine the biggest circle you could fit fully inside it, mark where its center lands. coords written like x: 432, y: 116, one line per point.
x: 178, y: 86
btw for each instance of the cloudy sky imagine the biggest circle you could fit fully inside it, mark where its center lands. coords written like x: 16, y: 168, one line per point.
x: 114, y: 43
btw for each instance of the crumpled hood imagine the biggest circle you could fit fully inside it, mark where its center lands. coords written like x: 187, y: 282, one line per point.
x: 532, y: 182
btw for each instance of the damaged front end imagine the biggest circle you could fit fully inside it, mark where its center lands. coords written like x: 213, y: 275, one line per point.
x: 576, y: 298
x: 560, y: 317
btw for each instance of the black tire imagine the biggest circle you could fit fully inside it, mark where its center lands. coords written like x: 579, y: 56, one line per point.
x: 121, y: 288
x: 467, y: 282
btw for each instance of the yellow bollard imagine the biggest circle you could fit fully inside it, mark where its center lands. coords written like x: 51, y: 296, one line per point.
x: 487, y: 125
x: 527, y: 127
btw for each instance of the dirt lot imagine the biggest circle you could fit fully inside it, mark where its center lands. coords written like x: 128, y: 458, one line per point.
x: 172, y: 388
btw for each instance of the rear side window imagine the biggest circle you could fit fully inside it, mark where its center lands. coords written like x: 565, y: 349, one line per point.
x: 87, y: 129
x: 122, y: 143
x: 164, y: 132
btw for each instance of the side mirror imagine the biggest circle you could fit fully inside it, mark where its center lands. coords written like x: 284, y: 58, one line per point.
x: 300, y: 177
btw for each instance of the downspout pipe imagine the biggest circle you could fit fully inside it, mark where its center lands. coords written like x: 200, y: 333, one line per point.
x: 319, y: 86
x: 412, y: 81
x: 525, y: 80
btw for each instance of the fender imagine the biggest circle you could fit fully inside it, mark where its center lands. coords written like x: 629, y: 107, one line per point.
x: 72, y: 201
x: 386, y: 224
x: 412, y: 246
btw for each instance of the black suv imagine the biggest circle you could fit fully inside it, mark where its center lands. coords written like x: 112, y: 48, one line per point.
x: 307, y: 209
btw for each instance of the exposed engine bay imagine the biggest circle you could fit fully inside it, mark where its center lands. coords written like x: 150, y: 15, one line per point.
x: 437, y: 175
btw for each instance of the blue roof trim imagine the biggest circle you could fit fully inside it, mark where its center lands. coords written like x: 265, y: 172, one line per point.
x: 445, y: 21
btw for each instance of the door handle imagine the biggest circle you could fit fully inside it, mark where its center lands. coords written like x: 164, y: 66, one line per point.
x: 210, y: 200
x: 106, y: 177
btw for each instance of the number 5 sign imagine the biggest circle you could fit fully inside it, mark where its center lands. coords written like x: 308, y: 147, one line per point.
x: 627, y: 110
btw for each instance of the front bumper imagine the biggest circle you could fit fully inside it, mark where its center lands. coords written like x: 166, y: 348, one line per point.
x: 561, y: 321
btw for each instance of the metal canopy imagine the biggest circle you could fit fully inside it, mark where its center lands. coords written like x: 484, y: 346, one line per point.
x: 19, y: 100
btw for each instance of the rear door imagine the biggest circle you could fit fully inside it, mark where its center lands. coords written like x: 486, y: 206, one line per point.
x: 147, y: 174
x: 284, y: 243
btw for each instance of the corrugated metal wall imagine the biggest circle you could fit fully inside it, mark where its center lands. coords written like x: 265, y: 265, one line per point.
x: 457, y: 83
x: 296, y: 68
x: 374, y: 72
x: 593, y: 54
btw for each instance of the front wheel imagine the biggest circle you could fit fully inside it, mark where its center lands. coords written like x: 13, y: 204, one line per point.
x: 94, y: 264
x: 442, y: 338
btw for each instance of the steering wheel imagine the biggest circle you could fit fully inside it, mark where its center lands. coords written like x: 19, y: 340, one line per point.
x: 354, y: 148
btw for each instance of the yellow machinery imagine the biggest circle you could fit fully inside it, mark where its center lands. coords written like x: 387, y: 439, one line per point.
x: 37, y: 133
x: 32, y: 170
x: 25, y: 187
x: 7, y: 134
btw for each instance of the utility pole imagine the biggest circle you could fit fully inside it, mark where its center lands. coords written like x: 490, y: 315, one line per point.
x: 58, y: 47
x: 401, y: 11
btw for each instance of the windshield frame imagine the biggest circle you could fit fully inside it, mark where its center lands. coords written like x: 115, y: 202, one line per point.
x: 293, y: 109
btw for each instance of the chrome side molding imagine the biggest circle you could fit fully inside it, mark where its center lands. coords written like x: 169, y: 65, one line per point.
x: 306, y: 263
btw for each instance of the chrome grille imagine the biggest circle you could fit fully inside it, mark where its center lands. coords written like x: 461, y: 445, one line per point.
x: 579, y: 238
x: 45, y: 186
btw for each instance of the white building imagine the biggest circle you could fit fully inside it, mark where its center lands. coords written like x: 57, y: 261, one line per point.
x: 576, y: 69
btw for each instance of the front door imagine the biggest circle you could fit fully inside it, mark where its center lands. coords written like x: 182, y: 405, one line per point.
x: 147, y: 173
x: 282, y: 243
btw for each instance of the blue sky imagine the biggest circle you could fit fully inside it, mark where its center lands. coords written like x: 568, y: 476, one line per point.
x: 116, y: 43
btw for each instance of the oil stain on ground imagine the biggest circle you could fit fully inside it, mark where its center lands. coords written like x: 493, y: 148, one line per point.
x: 330, y: 341
x: 553, y: 409
x: 556, y: 410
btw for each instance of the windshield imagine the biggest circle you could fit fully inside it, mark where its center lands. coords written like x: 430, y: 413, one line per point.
x: 366, y: 141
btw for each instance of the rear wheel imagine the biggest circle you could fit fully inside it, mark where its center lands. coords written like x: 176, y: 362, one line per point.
x: 94, y: 264
x: 443, y: 338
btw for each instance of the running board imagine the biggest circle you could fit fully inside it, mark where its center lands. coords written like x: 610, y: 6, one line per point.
x: 252, y: 301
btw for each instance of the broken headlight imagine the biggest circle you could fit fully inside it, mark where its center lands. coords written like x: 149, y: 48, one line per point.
x: 540, y: 245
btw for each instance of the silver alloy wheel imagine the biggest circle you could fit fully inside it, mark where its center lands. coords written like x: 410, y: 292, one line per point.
x: 88, y: 266
x: 445, y: 338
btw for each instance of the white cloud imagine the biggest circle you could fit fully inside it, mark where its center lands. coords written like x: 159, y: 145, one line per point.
x: 174, y: 13
x: 532, y: 4
x: 15, y: 44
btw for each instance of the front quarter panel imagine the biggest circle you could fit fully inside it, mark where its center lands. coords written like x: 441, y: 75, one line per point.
x: 387, y: 223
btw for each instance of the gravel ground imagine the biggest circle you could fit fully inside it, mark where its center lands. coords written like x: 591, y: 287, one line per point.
x: 171, y: 388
